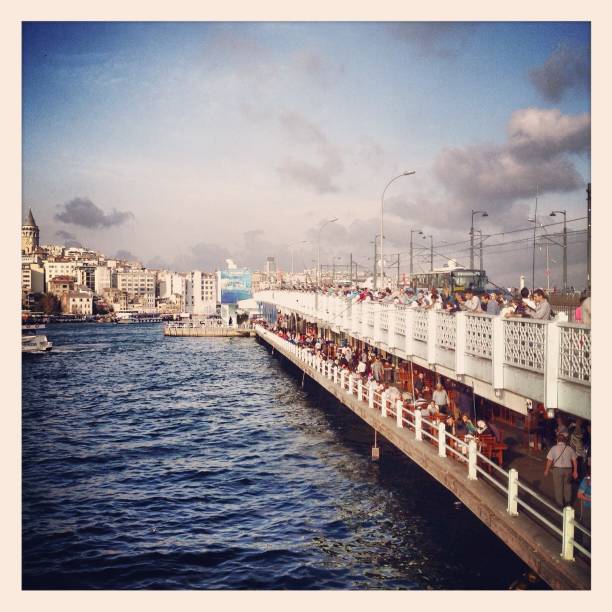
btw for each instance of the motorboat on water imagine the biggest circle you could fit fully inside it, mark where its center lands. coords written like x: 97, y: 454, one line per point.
x: 35, y: 344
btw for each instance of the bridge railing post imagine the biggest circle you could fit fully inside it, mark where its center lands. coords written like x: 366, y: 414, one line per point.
x: 360, y: 390
x: 351, y: 384
x: 399, y: 413
x: 460, y: 332
x: 376, y: 333
x: 371, y: 395
x: 441, y: 440
x: 418, y: 429
x: 431, y: 337
x: 383, y: 404
x: 472, y: 457
x: 512, y: 492
x: 336, y: 374
x: 342, y: 378
x: 567, y: 548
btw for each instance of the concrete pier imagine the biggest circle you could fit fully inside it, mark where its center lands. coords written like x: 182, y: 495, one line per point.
x: 208, y: 332
x: 529, y: 540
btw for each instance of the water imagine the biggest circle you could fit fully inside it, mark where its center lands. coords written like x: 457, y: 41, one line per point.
x: 200, y: 463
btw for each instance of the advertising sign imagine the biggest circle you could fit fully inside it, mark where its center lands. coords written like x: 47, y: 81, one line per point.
x: 235, y: 285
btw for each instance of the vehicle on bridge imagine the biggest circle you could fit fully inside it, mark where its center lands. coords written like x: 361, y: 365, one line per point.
x: 451, y: 279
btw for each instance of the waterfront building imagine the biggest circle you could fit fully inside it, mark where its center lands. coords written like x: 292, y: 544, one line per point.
x: 170, y: 284
x: 32, y: 278
x: 54, y: 250
x: 103, y: 279
x: 116, y: 299
x: 60, y: 285
x: 77, y: 302
x: 30, y: 234
x: 137, y: 282
x: 86, y: 275
x: 59, y: 267
x: 271, y: 269
x: 200, y: 293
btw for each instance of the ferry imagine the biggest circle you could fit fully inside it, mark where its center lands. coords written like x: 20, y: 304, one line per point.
x: 137, y: 318
x: 35, y: 344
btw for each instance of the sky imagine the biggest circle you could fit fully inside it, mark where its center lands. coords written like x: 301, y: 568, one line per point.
x: 183, y: 144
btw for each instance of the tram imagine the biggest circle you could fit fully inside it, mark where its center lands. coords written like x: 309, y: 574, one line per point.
x: 451, y: 279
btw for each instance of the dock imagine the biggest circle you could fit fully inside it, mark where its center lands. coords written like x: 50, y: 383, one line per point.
x: 502, y: 502
x: 207, y: 331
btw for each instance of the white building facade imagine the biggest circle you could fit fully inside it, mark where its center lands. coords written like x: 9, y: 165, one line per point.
x: 58, y: 268
x: 200, y: 293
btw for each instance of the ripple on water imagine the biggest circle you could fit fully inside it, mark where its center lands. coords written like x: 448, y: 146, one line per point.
x: 163, y: 464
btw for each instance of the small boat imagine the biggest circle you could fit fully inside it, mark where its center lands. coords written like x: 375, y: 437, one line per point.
x: 29, y: 326
x: 35, y: 344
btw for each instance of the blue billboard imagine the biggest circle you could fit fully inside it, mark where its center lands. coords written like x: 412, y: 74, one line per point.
x: 235, y: 285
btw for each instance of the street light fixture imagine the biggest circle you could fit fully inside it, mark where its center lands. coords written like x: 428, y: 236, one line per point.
x: 319, y: 249
x: 291, y: 249
x: 484, y: 213
x: 564, y: 213
x: 382, y: 231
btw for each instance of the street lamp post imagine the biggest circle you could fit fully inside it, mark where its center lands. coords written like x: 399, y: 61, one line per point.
x: 484, y: 213
x: 412, y: 232
x: 291, y: 249
x: 382, y: 202
x: 319, y: 249
x: 480, y: 241
x: 431, y: 253
x: 554, y: 213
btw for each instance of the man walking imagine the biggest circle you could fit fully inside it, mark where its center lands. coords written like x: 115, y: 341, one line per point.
x: 562, y: 459
x: 377, y: 370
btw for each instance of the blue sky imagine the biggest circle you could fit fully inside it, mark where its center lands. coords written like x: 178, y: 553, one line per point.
x: 235, y: 139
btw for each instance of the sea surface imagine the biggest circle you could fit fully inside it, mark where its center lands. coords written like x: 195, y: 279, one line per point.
x: 201, y: 463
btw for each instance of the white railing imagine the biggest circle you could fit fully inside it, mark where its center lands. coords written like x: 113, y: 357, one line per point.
x: 558, y: 353
x: 525, y: 343
x: 517, y: 494
x: 575, y: 352
x: 384, y: 316
x: 446, y: 330
x: 421, y: 325
x: 369, y: 314
x: 400, y: 320
x: 478, y: 336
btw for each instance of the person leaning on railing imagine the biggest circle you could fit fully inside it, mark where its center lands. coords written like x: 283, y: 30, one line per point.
x: 542, y: 307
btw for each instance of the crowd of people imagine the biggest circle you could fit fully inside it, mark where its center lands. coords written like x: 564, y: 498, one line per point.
x: 523, y: 303
x: 568, y: 444
x: 380, y: 375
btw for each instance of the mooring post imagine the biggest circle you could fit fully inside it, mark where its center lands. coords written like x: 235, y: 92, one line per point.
x: 472, y: 456
x: 512, y: 492
x: 303, y: 377
x: 375, y: 449
x: 567, y: 548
